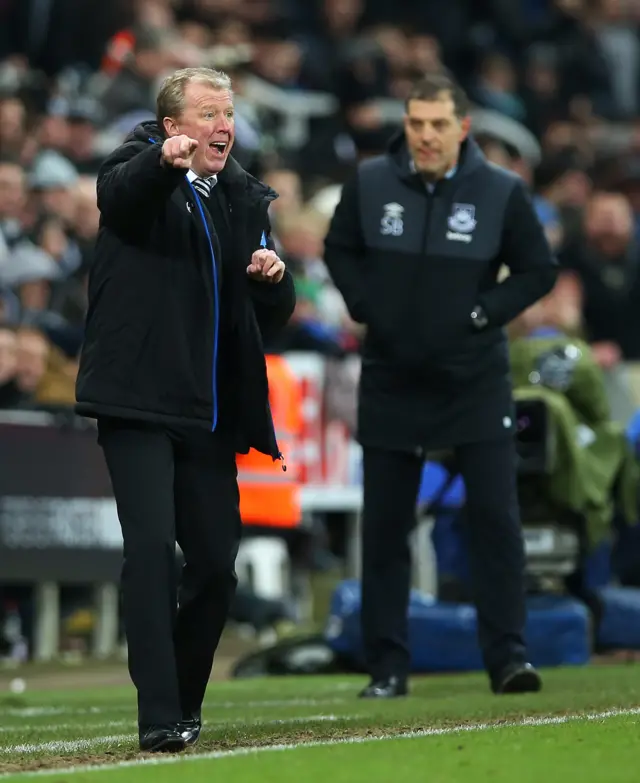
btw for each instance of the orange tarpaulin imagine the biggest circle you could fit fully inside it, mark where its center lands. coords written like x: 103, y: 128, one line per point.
x: 270, y: 496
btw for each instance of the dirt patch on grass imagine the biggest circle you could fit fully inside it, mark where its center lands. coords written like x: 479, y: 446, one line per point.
x: 64, y: 762
x: 115, y: 756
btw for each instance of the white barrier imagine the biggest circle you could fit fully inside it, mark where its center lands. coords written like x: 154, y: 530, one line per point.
x: 263, y: 564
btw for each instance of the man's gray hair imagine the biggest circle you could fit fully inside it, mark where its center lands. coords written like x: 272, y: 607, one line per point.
x: 170, y: 101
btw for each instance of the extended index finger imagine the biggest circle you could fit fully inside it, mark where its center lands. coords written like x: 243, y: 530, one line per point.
x: 186, y: 146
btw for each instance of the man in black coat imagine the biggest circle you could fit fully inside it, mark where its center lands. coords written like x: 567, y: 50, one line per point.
x: 415, y: 247
x: 184, y: 286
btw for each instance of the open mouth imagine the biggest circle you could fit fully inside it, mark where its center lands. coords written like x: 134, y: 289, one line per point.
x: 219, y: 147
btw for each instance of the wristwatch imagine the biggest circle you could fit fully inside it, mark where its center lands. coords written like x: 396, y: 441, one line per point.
x: 479, y: 318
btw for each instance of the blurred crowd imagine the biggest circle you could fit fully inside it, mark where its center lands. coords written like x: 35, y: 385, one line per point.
x: 319, y: 84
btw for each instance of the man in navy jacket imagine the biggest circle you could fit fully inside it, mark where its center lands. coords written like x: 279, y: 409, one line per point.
x: 416, y: 246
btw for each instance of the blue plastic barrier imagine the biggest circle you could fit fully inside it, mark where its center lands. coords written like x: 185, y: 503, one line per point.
x: 633, y: 433
x: 619, y: 627
x: 443, y: 636
x: 434, y: 479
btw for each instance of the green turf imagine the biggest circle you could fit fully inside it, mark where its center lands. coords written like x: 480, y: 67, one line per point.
x: 593, y: 752
x: 99, y: 726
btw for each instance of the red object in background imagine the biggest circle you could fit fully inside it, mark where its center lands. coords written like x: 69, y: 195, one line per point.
x: 336, y: 449
x: 118, y: 48
x: 309, y: 369
x: 311, y: 437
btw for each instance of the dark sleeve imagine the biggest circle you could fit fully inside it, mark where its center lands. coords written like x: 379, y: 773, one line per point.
x: 273, y: 304
x: 526, y: 252
x: 133, y: 185
x: 344, y: 249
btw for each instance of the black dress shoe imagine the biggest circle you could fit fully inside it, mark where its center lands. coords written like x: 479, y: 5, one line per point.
x: 162, y: 739
x: 388, y: 688
x: 517, y: 678
x: 190, y: 730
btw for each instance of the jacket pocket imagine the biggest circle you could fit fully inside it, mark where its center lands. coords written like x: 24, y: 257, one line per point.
x: 480, y: 353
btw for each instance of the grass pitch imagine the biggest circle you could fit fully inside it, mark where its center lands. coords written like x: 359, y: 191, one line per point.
x: 584, y: 725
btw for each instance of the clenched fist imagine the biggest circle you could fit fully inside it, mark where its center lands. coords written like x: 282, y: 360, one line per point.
x: 178, y: 151
x: 266, y: 266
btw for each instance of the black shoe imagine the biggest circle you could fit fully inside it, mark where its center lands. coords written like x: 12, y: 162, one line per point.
x: 162, y: 739
x: 517, y: 678
x: 190, y: 730
x: 388, y: 688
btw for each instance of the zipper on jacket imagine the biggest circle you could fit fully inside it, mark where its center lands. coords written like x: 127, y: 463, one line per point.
x: 216, y: 317
x: 417, y: 277
x: 427, y: 221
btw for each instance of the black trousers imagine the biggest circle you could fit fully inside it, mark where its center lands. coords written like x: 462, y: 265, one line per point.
x: 496, y: 553
x: 173, y: 485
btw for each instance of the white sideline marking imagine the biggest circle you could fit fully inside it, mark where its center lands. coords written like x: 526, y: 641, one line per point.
x: 259, y: 720
x: 39, y: 712
x: 69, y: 746
x: 432, y: 732
x: 20, y: 728
x: 60, y: 746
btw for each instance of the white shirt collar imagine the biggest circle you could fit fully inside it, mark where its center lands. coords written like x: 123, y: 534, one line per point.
x: 191, y: 175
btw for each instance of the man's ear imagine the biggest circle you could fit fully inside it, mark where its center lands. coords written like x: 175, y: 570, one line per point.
x: 466, y: 127
x: 170, y: 127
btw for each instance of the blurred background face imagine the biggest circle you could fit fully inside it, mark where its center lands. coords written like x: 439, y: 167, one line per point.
x: 342, y: 15
x: 498, y: 73
x: 12, y: 122
x: 288, y: 186
x: 278, y: 61
x: 434, y: 134
x: 7, y: 355
x: 32, y: 353
x: 12, y: 190
x: 497, y: 154
x: 87, y: 215
x: 302, y: 234
x: 609, y: 224
x: 57, y: 201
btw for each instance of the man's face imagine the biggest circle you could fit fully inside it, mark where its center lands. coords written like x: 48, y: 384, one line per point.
x: 609, y: 223
x: 32, y: 354
x: 7, y: 355
x: 609, y: 215
x: 434, y: 134
x: 58, y: 201
x: 12, y: 190
x: 208, y: 118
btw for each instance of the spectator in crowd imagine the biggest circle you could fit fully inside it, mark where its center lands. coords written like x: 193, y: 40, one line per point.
x: 133, y: 86
x: 605, y: 257
x: 32, y: 357
x: 10, y: 396
x: 84, y: 118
